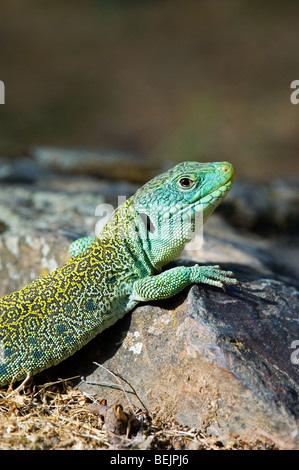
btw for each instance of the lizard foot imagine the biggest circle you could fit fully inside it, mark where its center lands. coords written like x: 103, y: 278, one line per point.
x: 213, y: 275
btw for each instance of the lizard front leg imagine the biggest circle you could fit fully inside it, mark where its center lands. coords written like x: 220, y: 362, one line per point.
x: 78, y: 247
x: 174, y: 280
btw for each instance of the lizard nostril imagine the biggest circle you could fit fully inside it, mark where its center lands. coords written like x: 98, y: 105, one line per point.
x: 227, y: 167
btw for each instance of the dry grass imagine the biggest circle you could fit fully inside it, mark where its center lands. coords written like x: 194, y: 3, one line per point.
x: 57, y: 416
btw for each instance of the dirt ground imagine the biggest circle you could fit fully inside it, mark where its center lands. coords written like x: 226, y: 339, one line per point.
x: 55, y: 416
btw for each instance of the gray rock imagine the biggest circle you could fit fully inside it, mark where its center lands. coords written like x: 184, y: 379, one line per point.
x: 270, y: 210
x: 217, y: 361
x: 19, y: 170
x: 103, y: 163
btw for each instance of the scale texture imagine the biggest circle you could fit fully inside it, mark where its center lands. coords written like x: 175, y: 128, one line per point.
x: 48, y: 320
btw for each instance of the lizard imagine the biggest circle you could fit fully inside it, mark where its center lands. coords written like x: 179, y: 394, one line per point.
x: 106, y: 276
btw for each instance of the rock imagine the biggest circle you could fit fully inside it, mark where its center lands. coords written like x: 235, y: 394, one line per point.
x: 217, y: 361
x: 270, y: 210
x: 19, y: 170
x: 103, y: 163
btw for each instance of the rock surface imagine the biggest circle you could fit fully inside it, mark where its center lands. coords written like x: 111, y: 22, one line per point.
x: 105, y: 164
x: 223, y: 362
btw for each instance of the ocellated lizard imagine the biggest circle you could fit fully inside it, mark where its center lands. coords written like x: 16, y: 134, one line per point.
x: 48, y: 320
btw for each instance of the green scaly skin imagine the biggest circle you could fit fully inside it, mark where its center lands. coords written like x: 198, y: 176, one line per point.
x: 48, y: 320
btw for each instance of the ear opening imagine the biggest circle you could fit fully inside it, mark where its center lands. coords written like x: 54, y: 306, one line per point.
x: 149, y: 226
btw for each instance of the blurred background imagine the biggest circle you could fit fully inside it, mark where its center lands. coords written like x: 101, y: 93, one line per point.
x: 168, y: 80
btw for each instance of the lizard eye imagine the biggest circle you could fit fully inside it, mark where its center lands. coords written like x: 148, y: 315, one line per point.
x: 186, y: 182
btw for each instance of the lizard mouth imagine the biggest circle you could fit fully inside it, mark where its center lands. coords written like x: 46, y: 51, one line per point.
x: 217, y: 193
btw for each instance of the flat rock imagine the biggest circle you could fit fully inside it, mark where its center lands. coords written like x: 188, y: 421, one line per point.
x: 269, y: 210
x: 103, y: 163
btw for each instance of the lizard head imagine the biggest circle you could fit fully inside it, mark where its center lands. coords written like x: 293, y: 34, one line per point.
x: 171, y: 207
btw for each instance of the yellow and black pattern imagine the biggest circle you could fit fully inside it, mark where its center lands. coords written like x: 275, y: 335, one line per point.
x: 51, y: 318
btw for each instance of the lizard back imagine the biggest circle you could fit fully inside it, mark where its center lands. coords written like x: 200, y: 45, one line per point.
x: 54, y: 316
